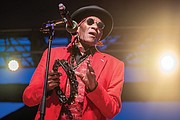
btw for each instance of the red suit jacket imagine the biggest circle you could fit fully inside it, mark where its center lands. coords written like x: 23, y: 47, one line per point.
x: 103, y: 103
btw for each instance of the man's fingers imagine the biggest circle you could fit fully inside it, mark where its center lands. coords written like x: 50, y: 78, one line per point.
x: 90, y: 68
x: 53, y: 77
x: 52, y: 85
x: 53, y: 81
x: 79, y: 74
x: 51, y: 73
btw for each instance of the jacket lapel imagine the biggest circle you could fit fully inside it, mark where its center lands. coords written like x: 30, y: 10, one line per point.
x: 98, y: 63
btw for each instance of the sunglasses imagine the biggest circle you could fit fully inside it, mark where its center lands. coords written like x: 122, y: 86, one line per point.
x: 91, y: 21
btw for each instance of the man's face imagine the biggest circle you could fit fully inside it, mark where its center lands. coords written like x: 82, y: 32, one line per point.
x: 90, y: 33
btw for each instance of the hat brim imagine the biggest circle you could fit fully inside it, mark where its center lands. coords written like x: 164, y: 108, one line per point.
x: 97, y: 11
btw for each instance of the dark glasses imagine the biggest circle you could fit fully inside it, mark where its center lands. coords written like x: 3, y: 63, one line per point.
x: 91, y: 21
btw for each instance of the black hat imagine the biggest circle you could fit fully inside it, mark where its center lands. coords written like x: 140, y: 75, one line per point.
x: 97, y: 11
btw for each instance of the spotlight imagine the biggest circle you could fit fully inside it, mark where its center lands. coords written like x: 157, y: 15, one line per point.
x: 167, y: 63
x: 13, y: 65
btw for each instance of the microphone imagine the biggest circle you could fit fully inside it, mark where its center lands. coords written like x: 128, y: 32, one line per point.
x: 71, y: 25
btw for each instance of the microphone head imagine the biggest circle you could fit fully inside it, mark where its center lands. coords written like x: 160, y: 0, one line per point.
x: 71, y: 26
x: 61, y: 7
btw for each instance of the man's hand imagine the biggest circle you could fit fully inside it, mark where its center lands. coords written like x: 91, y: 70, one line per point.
x: 88, y: 77
x: 53, y: 80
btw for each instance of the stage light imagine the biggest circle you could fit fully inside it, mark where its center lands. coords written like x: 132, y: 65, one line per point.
x: 167, y: 63
x: 13, y: 65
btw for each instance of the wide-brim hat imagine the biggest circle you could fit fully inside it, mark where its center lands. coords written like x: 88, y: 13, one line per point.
x: 94, y: 10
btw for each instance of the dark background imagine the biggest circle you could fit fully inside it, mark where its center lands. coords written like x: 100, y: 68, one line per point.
x: 32, y: 13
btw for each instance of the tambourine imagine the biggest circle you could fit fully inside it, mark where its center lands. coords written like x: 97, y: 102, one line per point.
x: 72, y: 80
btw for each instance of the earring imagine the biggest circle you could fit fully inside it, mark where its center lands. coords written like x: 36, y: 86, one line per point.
x: 99, y: 43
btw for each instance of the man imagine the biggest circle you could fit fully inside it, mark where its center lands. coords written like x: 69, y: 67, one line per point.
x: 100, y: 77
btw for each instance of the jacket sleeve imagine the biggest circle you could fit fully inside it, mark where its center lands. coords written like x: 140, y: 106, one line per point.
x: 33, y: 93
x: 108, y: 101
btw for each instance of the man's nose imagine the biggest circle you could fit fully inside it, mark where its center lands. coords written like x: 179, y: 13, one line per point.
x: 94, y: 25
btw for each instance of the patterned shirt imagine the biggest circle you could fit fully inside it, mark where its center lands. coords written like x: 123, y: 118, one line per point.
x: 76, y: 108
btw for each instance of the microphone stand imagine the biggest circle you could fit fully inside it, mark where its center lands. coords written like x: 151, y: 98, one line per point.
x: 49, y: 28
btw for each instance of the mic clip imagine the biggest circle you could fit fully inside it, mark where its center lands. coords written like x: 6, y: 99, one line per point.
x: 49, y: 26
